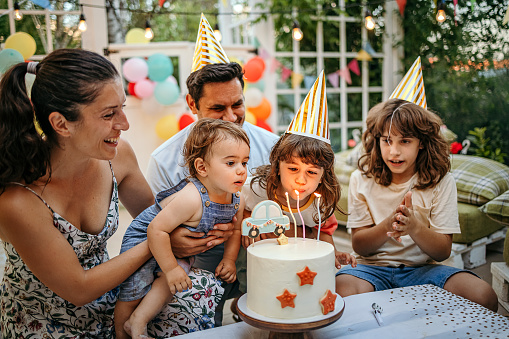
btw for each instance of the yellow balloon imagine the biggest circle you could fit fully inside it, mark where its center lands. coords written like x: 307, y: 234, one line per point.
x: 23, y: 43
x: 136, y: 36
x: 250, y: 117
x: 234, y: 59
x: 167, y: 126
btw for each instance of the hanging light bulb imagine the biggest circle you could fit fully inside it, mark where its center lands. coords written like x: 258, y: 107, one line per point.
x: 82, y: 26
x: 217, y: 33
x: 368, y: 20
x: 297, y: 34
x: 441, y: 12
x: 149, y: 33
x: 17, y: 14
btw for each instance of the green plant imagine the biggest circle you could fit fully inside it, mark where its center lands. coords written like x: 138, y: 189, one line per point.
x: 483, y: 146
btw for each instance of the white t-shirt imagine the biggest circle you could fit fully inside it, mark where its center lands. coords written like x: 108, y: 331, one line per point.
x: 370, y: 203
x: 166, y: 165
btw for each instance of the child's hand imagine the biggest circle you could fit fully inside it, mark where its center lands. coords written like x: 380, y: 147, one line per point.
x: 343, y: 258
x: 399, y: 227
x: 178, y: 280
x: 226, y: 270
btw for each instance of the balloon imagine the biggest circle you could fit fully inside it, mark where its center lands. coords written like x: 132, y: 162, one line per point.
x: 260, y: 84
x: 8, y: 58
x: 234, y: 59
x: 166, y: 92
x: 23, y: 43
x: 258, y: 60
x: 263, y: 124
x: 171, y: 78
x: 253, y: 71
x: 159, y: 67
x: 250, y: 118
x: 130, y: 89
x: 253, y: 97
x: 135, y: 69
x: 136, y: 36
x: 185, y: 120
x: 144, y: 88
x: 262, y: 111
x: 166, y: 127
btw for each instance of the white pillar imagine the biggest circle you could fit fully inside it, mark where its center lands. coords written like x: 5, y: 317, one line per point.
x: 95, y: 38
x: 393, y: 67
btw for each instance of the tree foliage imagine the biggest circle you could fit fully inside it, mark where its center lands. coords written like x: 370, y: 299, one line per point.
x: 465, y: 75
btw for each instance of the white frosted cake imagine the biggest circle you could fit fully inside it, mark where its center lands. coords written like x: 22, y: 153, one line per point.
x: 291, y: 281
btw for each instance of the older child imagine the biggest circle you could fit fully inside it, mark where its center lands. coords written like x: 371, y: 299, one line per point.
x: 216, y: 153
x: 403, y: 208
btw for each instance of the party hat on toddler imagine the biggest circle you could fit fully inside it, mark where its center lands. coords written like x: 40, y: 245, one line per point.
x: 312, y: 119
x: 207, y: 49
x: 411, y: 87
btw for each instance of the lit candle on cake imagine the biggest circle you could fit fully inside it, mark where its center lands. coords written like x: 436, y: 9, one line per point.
x: 318, y: 195
x: 301, y: 218
x: 291, y: 212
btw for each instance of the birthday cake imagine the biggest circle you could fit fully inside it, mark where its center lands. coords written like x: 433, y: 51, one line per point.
x: 287, y: 277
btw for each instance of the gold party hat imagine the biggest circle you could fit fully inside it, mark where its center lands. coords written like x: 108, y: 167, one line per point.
x: 312, y: 119
x: 411, y: 87
x: 207, y: 49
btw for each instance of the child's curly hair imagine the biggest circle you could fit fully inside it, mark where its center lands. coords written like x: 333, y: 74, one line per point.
x: 411, y: 120
x: 204, y: 134
x: 310, y: 151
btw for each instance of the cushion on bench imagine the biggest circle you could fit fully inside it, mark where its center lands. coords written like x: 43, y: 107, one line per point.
x: 478, y: 180
x: 474, y: 224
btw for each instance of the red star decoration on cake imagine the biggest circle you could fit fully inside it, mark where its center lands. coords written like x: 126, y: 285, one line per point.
x: 286, y: 299
x: 328, y: 302
x: 306, y: 276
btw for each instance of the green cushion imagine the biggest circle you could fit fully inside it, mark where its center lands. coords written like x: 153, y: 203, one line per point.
x: 478, y: 180
x: 498, y: 208
x: 343, y: 204
x: 474, y: 224
x: 342, y: 169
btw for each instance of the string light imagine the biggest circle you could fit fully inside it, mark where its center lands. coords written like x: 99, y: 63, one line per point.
x: 217, y: 33
x: 368, y: 20
x: 149, y: 33
x: 441, y: 12
x: 17, y: 14
x: 297, y: 34
x: 82, y: 26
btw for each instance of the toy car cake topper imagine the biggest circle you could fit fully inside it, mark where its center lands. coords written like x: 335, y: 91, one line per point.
x: 266, y: 217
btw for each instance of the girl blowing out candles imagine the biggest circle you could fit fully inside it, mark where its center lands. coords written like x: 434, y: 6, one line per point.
x: 302, y: 163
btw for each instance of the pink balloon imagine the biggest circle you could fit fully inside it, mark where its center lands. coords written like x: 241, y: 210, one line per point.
x: 144, y: 88
x: 135, y: 69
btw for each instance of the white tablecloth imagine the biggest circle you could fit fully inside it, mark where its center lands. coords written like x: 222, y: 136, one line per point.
x: 424, y: 311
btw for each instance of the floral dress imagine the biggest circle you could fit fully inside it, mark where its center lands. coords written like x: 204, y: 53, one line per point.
x: 28, y: 309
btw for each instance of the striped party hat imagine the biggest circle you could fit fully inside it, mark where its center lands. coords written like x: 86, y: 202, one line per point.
x: 312, y: 119
x: 207, y: 49
x: 411, y: 87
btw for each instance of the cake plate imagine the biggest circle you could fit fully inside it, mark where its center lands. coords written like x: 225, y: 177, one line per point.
x: 289, y: 328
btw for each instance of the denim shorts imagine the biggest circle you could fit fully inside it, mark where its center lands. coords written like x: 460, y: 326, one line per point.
x: 384, y: 278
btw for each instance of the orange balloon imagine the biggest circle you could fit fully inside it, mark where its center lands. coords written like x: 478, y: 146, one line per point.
x: 259, y: 61
x: 262, y: 111
x: 253, y: 70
